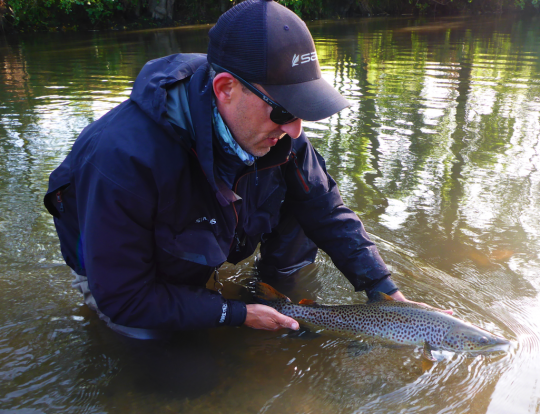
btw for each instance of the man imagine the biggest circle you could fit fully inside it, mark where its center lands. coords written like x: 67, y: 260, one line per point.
x: 204, y: 161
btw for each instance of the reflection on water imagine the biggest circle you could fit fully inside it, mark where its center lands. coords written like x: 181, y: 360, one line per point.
x: 439, y: 154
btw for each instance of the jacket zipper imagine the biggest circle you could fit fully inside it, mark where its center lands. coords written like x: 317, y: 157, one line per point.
x: 236, y: 238
x: 299, y: 174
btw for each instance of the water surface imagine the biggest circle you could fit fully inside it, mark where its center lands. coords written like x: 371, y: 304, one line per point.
x: 439, y: 154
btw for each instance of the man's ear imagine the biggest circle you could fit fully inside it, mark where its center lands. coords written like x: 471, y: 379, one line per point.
x: 224, y: 84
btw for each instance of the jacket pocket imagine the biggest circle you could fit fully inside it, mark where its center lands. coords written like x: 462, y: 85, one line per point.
x: 266, y: 215
x: 193, y: 244
x: 54, y: 200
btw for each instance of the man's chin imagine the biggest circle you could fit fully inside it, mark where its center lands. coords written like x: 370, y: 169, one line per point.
x: 261, y: 152
x: 264, y: 146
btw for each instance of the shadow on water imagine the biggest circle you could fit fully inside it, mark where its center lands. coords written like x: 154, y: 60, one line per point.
x: 438, y: 153
x: 185, y: 367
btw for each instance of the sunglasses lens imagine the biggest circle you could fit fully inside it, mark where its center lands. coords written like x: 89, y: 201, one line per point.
x: 281, y: 117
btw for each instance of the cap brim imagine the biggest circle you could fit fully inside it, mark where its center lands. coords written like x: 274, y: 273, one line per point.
x: 311, y: 101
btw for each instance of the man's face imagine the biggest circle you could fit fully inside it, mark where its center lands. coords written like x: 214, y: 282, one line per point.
x: 248, y: 118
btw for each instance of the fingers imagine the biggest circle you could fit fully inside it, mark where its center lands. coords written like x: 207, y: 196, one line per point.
x: 267, y: 318
x: 286, y: 322
x: 400, y: 297
x: 447, y: 311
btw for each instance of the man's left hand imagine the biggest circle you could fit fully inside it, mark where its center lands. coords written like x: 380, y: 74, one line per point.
x: 399, y: 297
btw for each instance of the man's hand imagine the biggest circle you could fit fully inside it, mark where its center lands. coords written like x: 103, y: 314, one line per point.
x: 267, y: 318
x: 399, y: 297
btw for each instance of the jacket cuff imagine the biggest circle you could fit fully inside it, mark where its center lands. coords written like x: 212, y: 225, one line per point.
x: 234, y: 313
x: 386, y: 285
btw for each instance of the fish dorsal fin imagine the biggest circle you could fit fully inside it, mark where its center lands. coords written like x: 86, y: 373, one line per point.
x: 266, y: 292
x: 308, y: 302
x: 380, y: 297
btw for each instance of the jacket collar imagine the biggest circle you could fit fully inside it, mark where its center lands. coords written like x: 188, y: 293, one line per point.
x: 200, y: 101
x: 279, y: 154
x: 156, y: 77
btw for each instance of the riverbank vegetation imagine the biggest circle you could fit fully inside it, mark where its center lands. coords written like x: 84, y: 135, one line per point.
x: 65, y: 15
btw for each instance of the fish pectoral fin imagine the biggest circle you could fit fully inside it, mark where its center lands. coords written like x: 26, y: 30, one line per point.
x: 426, y: 353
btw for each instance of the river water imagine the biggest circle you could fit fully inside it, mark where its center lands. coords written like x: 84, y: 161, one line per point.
x: 439, y: 155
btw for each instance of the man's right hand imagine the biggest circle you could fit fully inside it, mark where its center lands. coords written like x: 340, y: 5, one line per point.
x: 267, y: 318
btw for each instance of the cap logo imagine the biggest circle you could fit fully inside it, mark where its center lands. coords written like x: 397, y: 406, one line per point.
x: 305, y: 58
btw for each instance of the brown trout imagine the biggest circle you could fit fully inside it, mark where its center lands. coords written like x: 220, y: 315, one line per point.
x: 387, y: 320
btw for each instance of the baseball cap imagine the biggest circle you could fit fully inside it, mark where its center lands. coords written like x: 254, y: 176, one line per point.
x: 265, y: 43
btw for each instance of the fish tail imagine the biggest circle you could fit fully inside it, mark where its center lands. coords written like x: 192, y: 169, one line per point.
x: 266, y: 293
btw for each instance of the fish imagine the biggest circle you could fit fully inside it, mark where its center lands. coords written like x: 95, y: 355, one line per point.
x: 387, y: 320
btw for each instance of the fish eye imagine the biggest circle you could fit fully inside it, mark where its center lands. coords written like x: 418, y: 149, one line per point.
x: 483, y: 340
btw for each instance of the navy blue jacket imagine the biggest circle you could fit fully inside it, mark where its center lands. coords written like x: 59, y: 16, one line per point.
x: 140, y: 211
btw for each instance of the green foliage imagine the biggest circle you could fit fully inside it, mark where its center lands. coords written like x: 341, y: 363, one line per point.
x: 40, y: 14
x: 310, y: 8
x: 84, y: 14
x: 200, y: 11
x: 422, y: 6
x: 522, y: 4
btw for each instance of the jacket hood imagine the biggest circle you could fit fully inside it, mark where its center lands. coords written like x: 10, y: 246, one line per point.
x: 157, y: 76
x: 150, y: 91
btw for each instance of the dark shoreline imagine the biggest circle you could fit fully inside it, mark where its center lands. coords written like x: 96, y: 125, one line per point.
x: 78, y: 22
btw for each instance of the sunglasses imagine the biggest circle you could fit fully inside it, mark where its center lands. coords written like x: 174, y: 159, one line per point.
x: 279, y: 115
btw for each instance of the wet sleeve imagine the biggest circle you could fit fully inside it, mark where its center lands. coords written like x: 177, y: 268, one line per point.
x: 117, y: 243
x: 319, y: 208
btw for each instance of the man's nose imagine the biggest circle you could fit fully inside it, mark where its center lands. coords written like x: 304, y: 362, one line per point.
x: 292, y: 129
